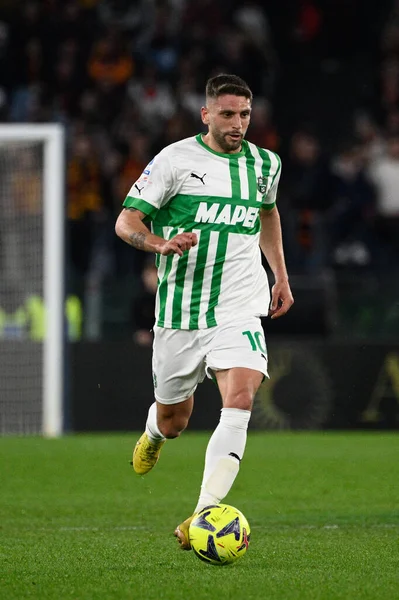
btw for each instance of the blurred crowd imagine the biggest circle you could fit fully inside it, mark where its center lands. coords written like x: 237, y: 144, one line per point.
x: 127, y: 77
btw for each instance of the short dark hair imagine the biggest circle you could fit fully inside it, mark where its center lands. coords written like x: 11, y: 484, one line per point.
x: 227, y: 84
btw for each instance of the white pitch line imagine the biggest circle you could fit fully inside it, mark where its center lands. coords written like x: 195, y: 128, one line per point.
x: 259, y: 527
x: 343, y: 526
x: 86, y: 528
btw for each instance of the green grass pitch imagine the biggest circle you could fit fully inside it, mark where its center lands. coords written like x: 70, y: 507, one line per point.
x: 77, y: 523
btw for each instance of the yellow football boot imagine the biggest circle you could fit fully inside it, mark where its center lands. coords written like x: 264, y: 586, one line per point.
x: 182, y: 533
x: 146, y: 454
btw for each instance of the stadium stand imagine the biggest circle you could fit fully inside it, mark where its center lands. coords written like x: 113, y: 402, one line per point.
x: 127, y: 77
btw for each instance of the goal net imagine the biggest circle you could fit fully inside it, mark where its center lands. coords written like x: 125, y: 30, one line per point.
x: 31, y: 279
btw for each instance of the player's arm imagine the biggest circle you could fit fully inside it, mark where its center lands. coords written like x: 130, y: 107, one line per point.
x: 271, y: 244
x: 155, y: 186
x: 131, y: 229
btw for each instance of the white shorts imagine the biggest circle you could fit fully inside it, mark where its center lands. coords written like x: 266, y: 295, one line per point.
x: 182, y: 357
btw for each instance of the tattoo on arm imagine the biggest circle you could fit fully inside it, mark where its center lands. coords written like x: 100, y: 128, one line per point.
x: 137, y: 240
x: 131, y: 209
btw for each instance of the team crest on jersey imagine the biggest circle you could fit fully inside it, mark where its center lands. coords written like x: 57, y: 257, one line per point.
x: 262, y: 184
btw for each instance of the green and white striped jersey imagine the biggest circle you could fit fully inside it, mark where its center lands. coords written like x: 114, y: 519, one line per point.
x: 189, y: 187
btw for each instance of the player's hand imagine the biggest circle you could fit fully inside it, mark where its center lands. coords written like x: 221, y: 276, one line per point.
x: 179, y: 244
x: 282, y: 299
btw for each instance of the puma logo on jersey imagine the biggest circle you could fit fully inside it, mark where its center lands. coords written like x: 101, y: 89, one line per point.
x: 139, y: 189
x: 198, y: 177
x: 227, y: 214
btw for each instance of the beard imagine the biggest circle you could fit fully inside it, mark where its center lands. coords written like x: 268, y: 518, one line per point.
x: 227, y: 144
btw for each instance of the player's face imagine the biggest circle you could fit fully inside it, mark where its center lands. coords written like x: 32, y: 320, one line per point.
x: 227, y: 118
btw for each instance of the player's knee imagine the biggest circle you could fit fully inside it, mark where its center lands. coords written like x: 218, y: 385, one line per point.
x: 173, y: 427
x: 242, y: 399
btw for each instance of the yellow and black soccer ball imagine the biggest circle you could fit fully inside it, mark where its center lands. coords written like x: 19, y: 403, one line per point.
x: 219, y: 534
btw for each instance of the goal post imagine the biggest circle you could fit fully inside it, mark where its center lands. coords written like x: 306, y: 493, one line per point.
x: 19, y: 143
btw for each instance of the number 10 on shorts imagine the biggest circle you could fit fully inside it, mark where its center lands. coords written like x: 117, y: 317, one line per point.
x: 256, y: 339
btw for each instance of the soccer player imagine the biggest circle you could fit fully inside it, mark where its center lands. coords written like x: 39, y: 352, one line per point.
x: 211, y: 201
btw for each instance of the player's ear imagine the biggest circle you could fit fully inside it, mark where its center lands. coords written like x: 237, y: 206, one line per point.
x: 205, y: 115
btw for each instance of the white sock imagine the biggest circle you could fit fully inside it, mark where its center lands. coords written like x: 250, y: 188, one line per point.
x: 151, y: 427
x: 223, y: 456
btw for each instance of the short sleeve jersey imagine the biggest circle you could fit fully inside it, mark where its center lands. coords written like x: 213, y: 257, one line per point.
x: 188, y: 187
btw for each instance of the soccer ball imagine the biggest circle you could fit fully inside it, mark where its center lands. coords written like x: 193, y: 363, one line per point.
x: 219, y: 534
